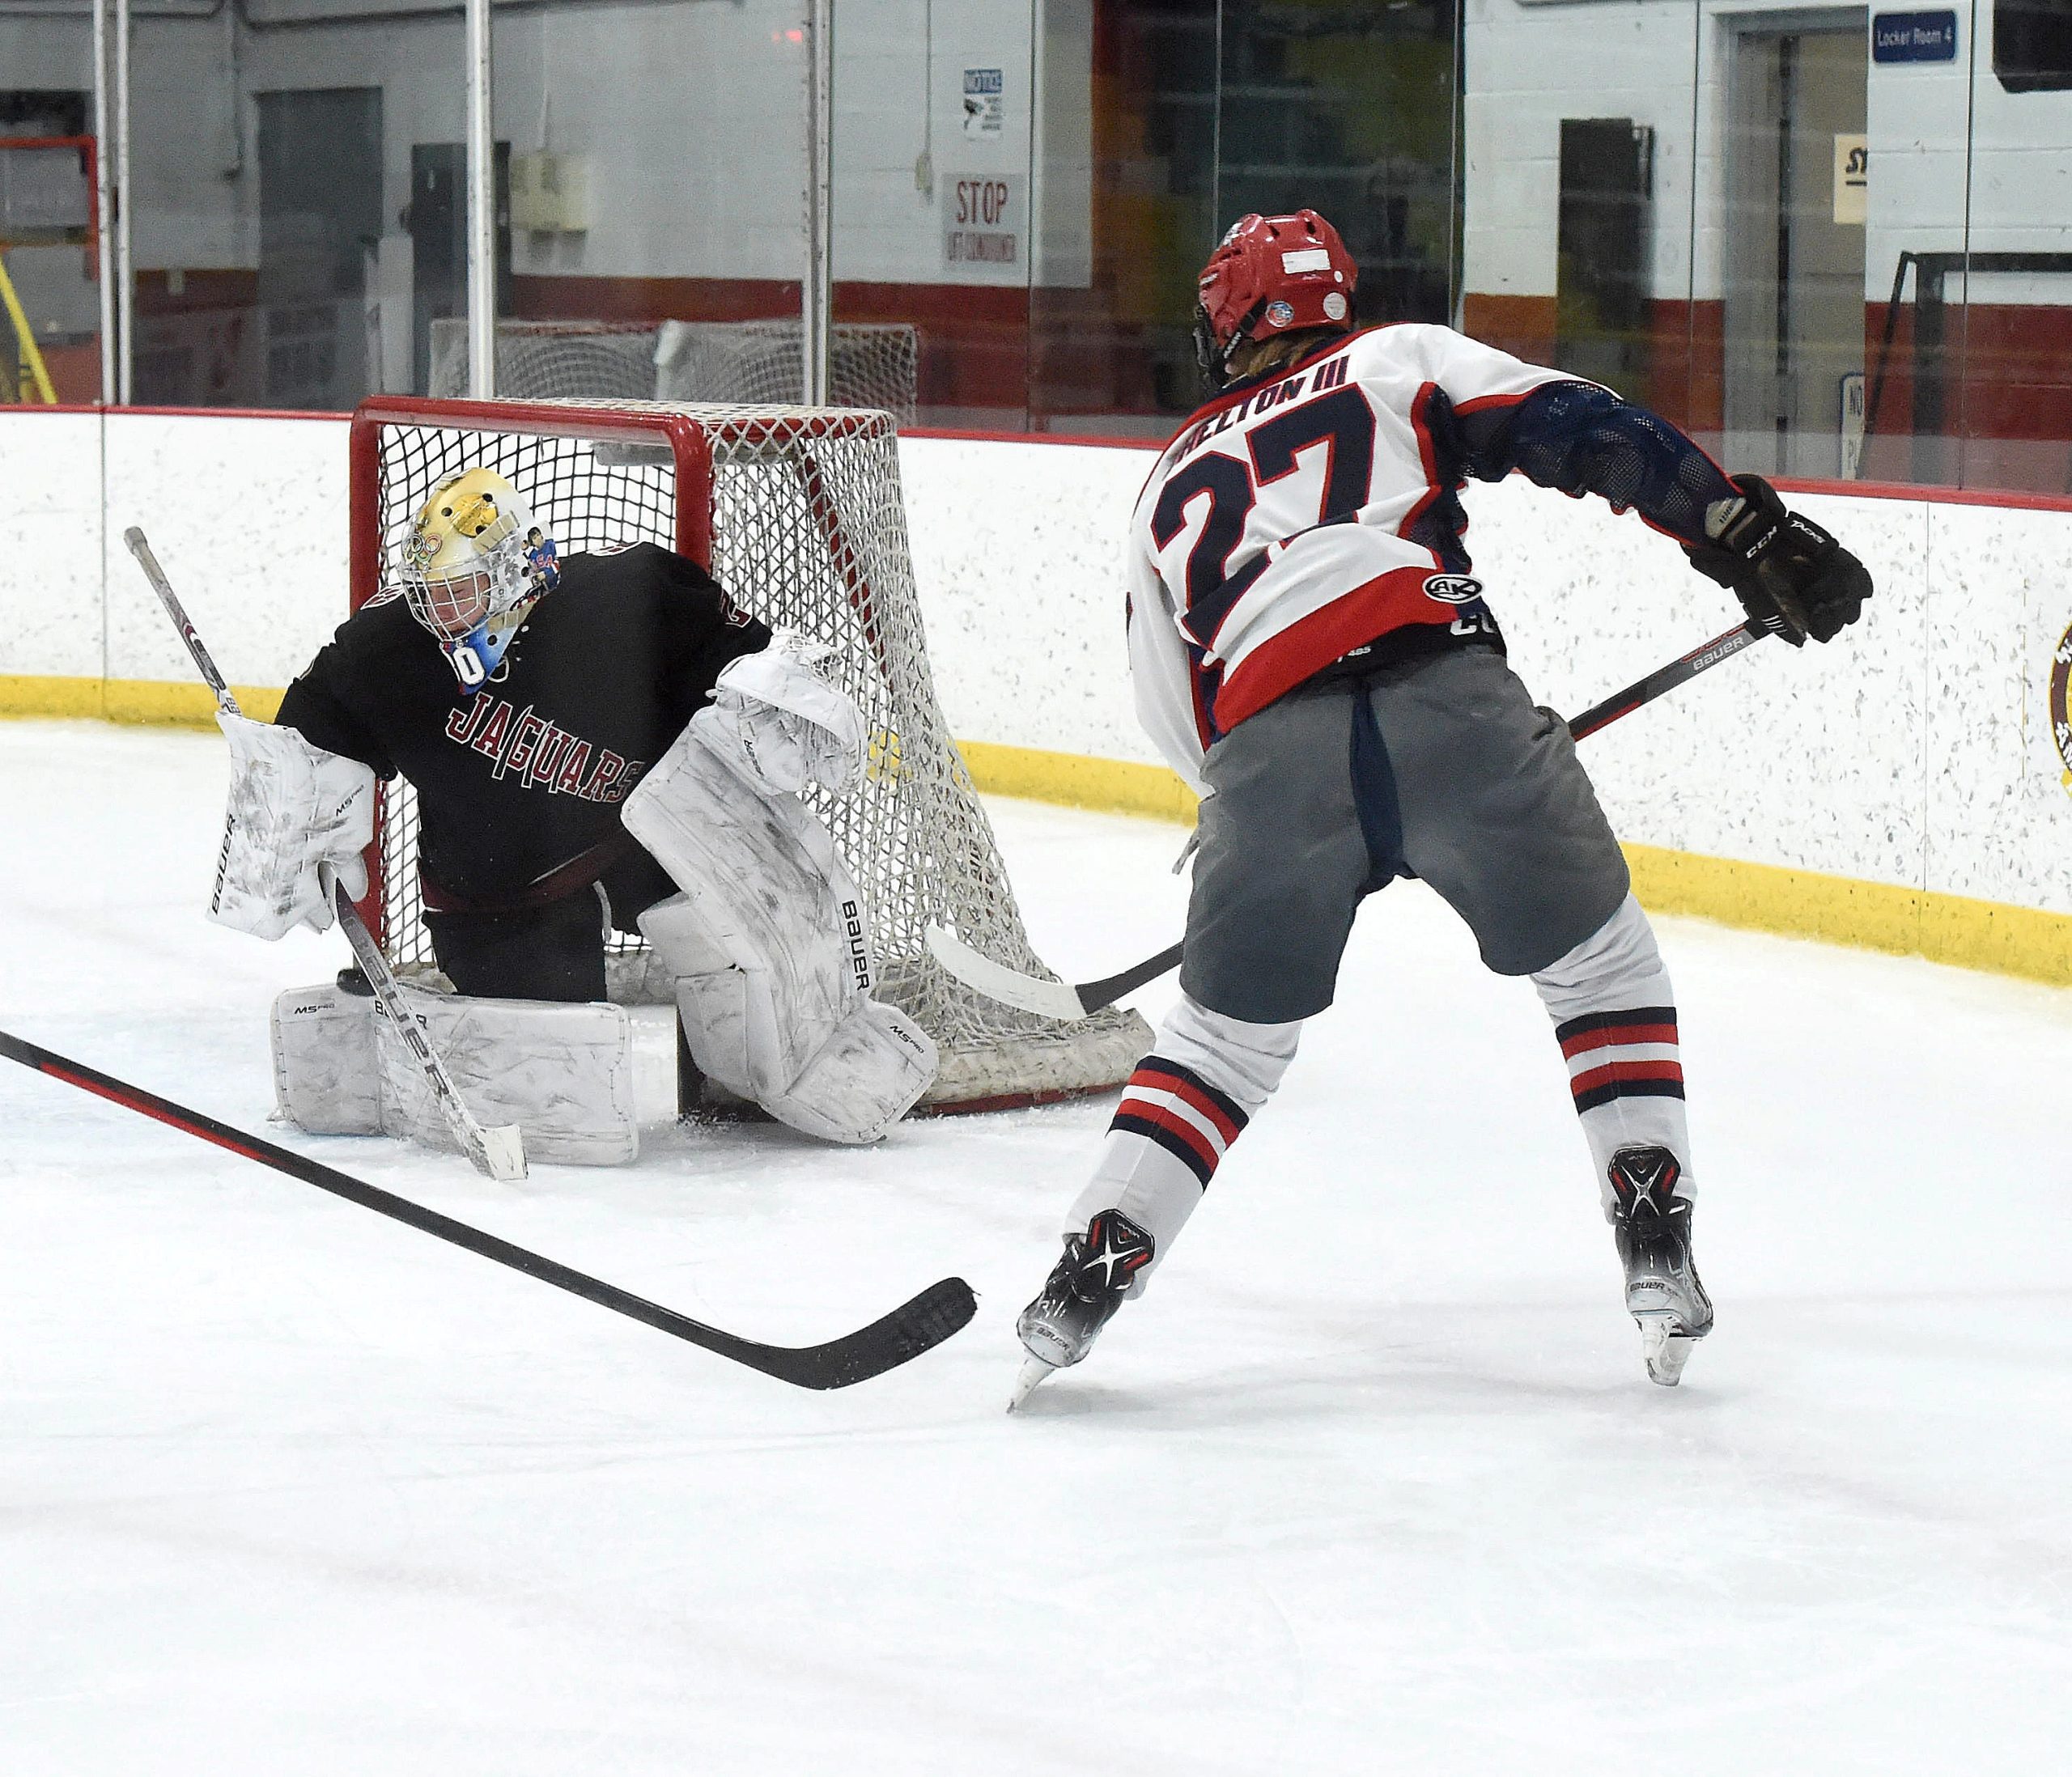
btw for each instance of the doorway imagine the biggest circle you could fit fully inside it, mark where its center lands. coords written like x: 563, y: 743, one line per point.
x: 320, y: 224
x: 1794, y: 244
x: 438, y: 219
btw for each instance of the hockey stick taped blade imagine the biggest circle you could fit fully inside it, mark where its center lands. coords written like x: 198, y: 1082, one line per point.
x: 995, y: 981
x: 503, y: 1153
x: 942, y: 1309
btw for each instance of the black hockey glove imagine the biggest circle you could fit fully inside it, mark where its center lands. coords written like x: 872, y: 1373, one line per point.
x: 1791, y: 575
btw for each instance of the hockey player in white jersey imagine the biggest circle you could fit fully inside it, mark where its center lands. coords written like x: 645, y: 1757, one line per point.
x: 1313, y: 654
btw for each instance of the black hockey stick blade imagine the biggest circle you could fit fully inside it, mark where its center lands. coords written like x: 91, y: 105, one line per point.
x: 1094, y: 995
x: 1052, y: 999
x: 931, y: 1318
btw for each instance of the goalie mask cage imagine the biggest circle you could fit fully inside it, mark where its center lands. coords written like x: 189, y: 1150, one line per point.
x: 797, y: 512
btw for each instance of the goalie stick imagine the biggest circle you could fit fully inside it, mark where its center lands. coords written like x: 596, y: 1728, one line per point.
x: 887, y: 1342
x: 499, y: 1152
x: 1054, y: 1000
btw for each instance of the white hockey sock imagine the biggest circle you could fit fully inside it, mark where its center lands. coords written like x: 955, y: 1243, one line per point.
x: 1615, y: 1017
x: 1188, y: 1101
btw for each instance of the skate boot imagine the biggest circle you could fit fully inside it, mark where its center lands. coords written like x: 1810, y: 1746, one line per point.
x: 1079, y: 1297
x: 1653, y: 1228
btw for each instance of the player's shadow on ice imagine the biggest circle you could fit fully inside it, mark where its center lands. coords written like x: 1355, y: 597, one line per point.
x: 1379, y: 1387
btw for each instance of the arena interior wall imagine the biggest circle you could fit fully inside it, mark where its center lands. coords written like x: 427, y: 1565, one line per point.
x: 1903, y: 788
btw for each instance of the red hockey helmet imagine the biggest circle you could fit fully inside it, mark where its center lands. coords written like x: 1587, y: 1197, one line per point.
x: 1270, y: 275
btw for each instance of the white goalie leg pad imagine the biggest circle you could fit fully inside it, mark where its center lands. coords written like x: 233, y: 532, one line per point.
x: 292, y: 806
x: 563, y: 1073
x: 863, y: 1079
x: 327, y: 1077
x: 769, y: 949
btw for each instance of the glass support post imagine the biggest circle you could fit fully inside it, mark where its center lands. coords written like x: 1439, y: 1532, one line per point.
x: 125, y: 281
x: 482, y: 207
x: 816, y: 291
x: 105, y: 237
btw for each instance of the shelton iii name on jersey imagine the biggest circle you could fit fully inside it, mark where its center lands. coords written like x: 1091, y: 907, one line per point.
x: 1311, y: 511
x: 516, y: 779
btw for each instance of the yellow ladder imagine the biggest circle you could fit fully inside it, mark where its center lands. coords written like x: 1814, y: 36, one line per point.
x: 30, y: 360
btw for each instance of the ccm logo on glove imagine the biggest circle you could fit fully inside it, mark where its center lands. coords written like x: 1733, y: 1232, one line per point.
x: 1791, y: 576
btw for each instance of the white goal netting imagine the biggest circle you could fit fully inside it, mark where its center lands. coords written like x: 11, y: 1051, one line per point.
x: 870, y: 364
x: 807, y: 530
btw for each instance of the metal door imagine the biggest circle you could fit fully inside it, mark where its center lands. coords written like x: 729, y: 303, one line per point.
x: 1793, y: 284
x: 320, y: 218
x: 438, y: 219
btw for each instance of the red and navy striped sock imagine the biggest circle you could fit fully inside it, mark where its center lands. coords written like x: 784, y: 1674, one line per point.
x: 1626, y: 1075
x: 1622, y: 1055
x: 1173, y: 1107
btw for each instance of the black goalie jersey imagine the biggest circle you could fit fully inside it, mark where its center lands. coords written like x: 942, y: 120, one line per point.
x: 518, y: 778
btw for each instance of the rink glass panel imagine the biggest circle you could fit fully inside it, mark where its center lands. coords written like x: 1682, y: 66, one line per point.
x: 1827, y: 239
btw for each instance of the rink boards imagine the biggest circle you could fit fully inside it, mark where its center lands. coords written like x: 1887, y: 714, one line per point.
x: 1903, y: 788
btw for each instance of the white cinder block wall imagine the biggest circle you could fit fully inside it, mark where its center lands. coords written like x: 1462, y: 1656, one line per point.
x: 1915, y: 752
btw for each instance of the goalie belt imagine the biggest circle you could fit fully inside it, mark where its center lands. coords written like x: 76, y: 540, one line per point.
x: 769, y: 946
x: 563, y: 1073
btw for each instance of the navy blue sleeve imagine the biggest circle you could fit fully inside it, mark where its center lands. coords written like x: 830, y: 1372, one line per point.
x: 1584, y: 440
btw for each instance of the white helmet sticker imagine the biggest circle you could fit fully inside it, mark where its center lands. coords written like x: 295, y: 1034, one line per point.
x: 1334, y: 307
x: 1306, y: 259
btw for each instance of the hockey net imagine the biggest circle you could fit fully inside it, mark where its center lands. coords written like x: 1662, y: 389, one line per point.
x: 870, y: 364
x: 798, y: 513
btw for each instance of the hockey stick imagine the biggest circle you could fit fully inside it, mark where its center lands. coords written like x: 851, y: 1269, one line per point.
x: 905, y: 1334
x: 1054, y: 1000
x: 1702, y: 659
x: 499, y: 1152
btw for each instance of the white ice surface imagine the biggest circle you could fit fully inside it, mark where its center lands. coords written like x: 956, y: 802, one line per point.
x: 1371, y: 1481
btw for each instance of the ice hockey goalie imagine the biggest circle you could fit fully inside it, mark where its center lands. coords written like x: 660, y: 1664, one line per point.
x: 602, y: 742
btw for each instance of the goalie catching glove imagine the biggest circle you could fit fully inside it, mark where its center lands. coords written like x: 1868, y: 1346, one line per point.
x: 1791, y: 576
x: 293, y: 806
x: 768, y: 943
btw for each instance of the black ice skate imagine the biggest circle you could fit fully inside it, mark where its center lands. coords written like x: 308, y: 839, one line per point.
x: 1653, y: 1228
x: 1079, y: 1297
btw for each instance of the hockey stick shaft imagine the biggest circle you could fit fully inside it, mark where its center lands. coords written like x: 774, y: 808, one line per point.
x: 141, y: 549
x: 1702, y: 658
x: 928, y: 1319
x: 499, y: 1152
x: 1049, y: 999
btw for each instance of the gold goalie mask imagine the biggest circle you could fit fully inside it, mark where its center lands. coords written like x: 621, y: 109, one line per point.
x: 473, y: 567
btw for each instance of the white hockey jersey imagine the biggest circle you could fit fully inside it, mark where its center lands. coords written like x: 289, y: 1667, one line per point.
x: 1294, y: 520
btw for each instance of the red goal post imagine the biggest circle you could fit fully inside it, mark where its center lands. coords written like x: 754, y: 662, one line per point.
x: 797, y: 512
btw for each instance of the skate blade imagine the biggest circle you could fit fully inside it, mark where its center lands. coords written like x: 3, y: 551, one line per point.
x: 1665, y: 1347
x: 1033, y: 1371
